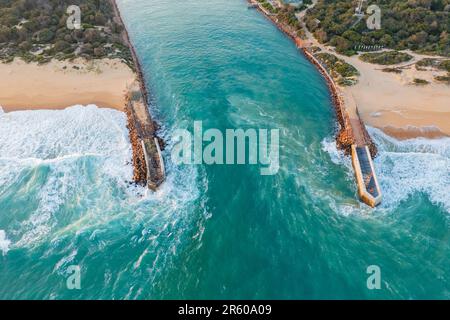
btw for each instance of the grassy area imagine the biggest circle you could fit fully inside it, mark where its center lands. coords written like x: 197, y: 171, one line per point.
x: 392, y: 70
x: 343, y: 73
x: 420, y: 82
x: 385, y: 57
x: 444, y: 79
x: 436, y: 64
x: 37, y: 31
x: 266, y: 5
x: 444, y: 65
x: 433, y: 63
x: 427, y: 62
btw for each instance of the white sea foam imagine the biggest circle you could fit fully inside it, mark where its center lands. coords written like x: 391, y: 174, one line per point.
x: 4, y: 242
x: 413, y: 166
x: 72, y: 167
x: 406, y: 168
x: 63, y: 263
x: 62, y: 141
x: 53, y: 134
x: 337, y: 156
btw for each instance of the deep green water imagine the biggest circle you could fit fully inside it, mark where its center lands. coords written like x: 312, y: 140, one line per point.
x: 216, y: 231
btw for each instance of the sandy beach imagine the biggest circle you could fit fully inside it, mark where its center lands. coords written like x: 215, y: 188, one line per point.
x: 60, y: 84
x: 392, y: 103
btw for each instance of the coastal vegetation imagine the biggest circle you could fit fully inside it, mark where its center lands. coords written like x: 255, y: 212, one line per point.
x: 438, y: 65
x: 342, y: 72
x: 420, y: 82
x: 419, y: 25
x: 392, y: 70
x: 285, y: 12
x: 385, y: 57
x: 444, y: 79
x: 37, y: 31
x: 444, y: 65
x: 433, y: 63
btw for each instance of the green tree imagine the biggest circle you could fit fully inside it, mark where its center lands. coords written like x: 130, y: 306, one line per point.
x: 5, y: 34
x: 61, y: 45
x: 44, y: 36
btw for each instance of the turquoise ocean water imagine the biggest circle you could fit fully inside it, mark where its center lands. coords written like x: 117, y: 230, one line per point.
x: 216, y: 231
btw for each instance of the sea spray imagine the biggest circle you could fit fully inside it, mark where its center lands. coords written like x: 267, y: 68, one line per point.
x: 79, y: 155
x: 4, y: 242
x: 406, y: 168
x: 65, y: 182
x: 413, y: 166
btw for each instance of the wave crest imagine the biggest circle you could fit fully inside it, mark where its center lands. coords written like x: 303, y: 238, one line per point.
x: 4, y: 242
x: 406, y: 167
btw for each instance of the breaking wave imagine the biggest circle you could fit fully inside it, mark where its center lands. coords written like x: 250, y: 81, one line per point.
x: 4, y: 242
x: 413, y: 166
x: 65, y: 172
x: 406, y: 168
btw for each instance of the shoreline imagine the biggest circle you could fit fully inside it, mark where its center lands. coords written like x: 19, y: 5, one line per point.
x: 61, y: 84
x: 352, y: 137
x: 107, y: 83
x: 387, y: 101
x: 352, y: 128
x: 391, y: 102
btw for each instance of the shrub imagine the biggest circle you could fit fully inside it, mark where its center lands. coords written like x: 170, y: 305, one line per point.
x: 385, y: 57
x: 420, y: 82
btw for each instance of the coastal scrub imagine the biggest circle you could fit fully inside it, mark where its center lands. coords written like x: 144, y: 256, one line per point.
x: 37, y: 31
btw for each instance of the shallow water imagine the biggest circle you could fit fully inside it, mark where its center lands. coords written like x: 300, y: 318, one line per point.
x: 219, y: 231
